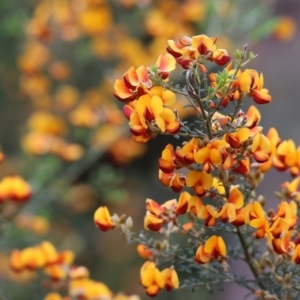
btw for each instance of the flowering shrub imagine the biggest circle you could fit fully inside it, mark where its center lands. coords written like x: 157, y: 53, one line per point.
x: 76, y: 138
x: 220, y: 160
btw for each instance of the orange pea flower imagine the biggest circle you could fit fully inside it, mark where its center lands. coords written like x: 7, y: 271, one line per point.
x: 135, y: 83
x: 141, y: 134
x: 165, y: 63
x: 283, y: 245
x: 86, y: 288
x: 211, y: 154
x: 231, y: 211
x: 170, y: 278
x: 236, y: 138
x: 103, y: 219
x: 243, y: 166
x: 291, y: 188
x: 33, y: 258
x: 157, y: 214
x: 234, y: 203
x: 274, y: 139
x: 56, y: 272
x: 167, y: 162
x: 287, y: 157
x: 53, y: 296
x: 258, y: 220
x: 167, y: 96
x: 78, y: 272
x: 15, y: 261
x: 296, y: 255
x: 195, y: 205
x: 173, y: 180
x: 14, y: 188
x: 152, y: 222
x: 186, y: 155
x: 261, y: 148
x: 252, y: 84
x: 151, y: 279
x: 151, y: 116
x: 144, y: 251
x: 183, y: 203
x: 288, y: 212
x: 213, y: 248
x: 253, y: 117
x: 200, y: 181
x: 208, y: 214
x: 46, y: 123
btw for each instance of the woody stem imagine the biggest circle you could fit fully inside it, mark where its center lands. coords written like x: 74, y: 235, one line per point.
x: 248, y: 257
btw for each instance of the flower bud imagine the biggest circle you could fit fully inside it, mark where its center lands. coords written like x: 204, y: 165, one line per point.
x: 287, y: 278
x: 129, y: 222
x: 279, y: 279
x: 278, y: 260
x: 102, y: 219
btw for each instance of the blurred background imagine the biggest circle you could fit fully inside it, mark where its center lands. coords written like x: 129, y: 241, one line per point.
x: 64, y: 132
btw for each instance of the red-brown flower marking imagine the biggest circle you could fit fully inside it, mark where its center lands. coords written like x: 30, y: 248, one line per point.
x: 261, y: 148
x: 186, y: 154
x: 151, y: 279
x: 183, y: 203
x: 243, y: 166
x: 283, y: 245
x: 170, y: 277
x: 173, y: 180
x: 235, y: 139
x: 102, y: 219
x: 213, y: 248
x: 253, y: 117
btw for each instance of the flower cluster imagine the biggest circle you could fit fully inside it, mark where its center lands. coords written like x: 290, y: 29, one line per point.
x: 43, y: 256
x: 153, y: 280
x: 58, y: 266
x: 148, y: 105
x: 223, y: 158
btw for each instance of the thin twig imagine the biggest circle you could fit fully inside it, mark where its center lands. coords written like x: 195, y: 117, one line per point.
x: 248, y: 257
